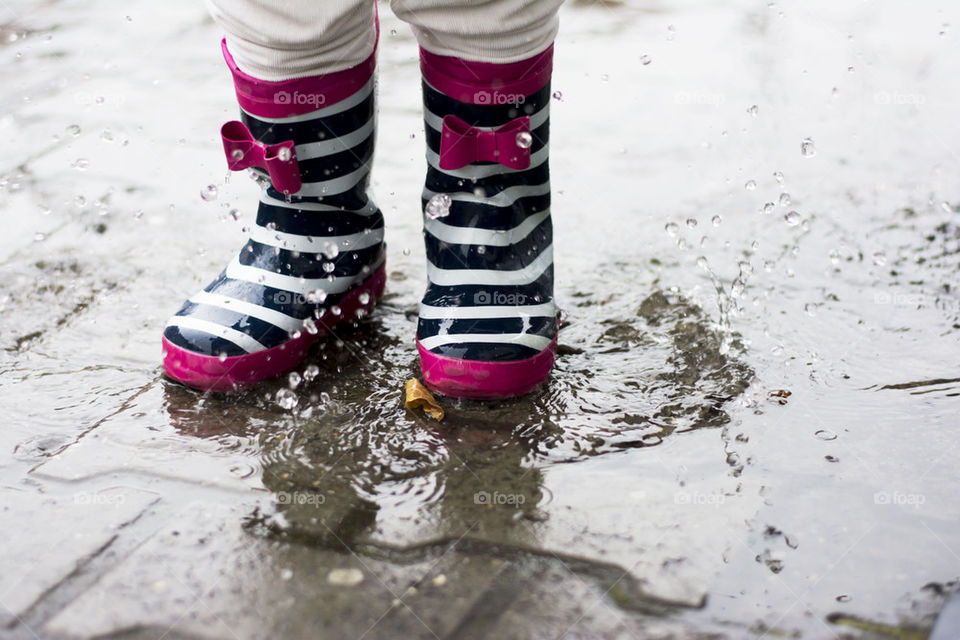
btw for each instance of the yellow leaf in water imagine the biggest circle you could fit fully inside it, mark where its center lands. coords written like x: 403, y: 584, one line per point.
x: 419, y: 397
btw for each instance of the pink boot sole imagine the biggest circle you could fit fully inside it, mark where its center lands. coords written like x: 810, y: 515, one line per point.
x: 485, y: 380
x: 212, y: 373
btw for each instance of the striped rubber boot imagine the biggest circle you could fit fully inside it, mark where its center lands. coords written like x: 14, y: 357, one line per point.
x: 315, y: 256
x: 488, y: 323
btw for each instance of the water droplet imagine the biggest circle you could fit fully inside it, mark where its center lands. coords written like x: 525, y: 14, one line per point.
x: 768, y: 207
x: 716, y: 220
x: 294, y: 380
x: 671, y: 228
x: 810, y: 309
x: 825, y: 434
x: 406, y: 251
x: 691, y: 223
x: 792, y: 218
x: 750, y: 185
x: 209, y: 192
x: 604, y: 77
x: 106, y: 135
x: 237, y: 155
x: 879, y: 258
x: 558, y: 95
x: 364, y: 298
x: 843, y: 598
x: 311, y: 372
x: 80, y: 164
x: 850, y: 69
x: 74, y: 130
x: 284, y: 154
x: 286, y: 399
x: 480, y: 192
x: 807, y: 148
x: 645, y: 59
x: 524, y: 140
x: 345, y: 577
x: 329, y: 267
x: 778, y: 176
x: 753, y: 110
x: 335, y: 310
x: 330, y: 249
x: 481, y: 249
x: 317, y: 296
x: 286, y: 574
x: 310, y: 326
x: 222, y: 357
x: 784, y: 199
x: 393, y: 32
x: 702, y: 263
x: 438, y: 206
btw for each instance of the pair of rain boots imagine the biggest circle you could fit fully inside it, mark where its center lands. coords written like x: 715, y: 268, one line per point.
x: 316, y: 256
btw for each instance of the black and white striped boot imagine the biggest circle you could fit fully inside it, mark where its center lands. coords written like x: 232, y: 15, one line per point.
x: 316, y: 254
x: 488, y: 323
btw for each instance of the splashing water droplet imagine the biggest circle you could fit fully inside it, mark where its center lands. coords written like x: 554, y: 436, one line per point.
x: 364, y: 298
x: 317, y: 296
x: 750, y: 185
x: 879, y: 258
x: 702, y: 263
x: 807, y: 148
x: 481, y: 249
x: 768, y: 208
x: 716, y: 220
x: 284, y: 154
x: 778, y: 176
x: 692, y: 223
x: 329, y: 267
x: 294, y: 380
x: 80, y: 164
x: 645, y: 59
x: 558, y: 95
x: 438, y: 206
x: 330, y: 249
x: 237, y: 155
x: 825, y: 434
x: 74, y: 130
x: 335, y: 310
x: 785, y: 200
x: 286, y: 399
x: 310, y: 326
x: 671, y: 228
x: 222, y: 357
x: 524, y: 140
x: 311, y: 372
x: 209, y: 192
x: 792, y: 218
x: 393, y: 32
x: 810, y: 309
x: 753, y: 110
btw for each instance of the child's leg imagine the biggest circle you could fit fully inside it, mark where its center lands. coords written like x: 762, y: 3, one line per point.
x: 296, y: 38
x: 488, y: 322
x: 315, y: 255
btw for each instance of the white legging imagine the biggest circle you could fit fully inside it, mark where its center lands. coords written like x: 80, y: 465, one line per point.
x: 273, y: 40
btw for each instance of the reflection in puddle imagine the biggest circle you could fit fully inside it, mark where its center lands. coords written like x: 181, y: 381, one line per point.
x: 349, y: 453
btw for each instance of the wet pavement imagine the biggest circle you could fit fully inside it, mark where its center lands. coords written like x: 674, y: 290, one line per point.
x: 752, y: 426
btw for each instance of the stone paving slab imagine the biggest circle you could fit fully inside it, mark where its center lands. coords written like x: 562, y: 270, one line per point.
x: 75, y: 524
